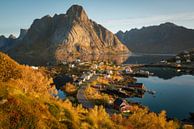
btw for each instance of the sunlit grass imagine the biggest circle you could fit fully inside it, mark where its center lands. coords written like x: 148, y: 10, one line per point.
x: 26, y: 103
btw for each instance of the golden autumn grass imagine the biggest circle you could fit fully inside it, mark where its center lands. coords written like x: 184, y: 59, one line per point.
x: 97, y: 97
x: 26, y: 103
x: 69, y: 88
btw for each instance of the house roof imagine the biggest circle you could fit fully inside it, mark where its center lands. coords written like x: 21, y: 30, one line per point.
x: 118, y: 101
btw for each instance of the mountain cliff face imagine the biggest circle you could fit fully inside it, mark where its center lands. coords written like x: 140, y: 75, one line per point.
x: 6, y: 43
x: 53, y: 39
x: 166, y: 38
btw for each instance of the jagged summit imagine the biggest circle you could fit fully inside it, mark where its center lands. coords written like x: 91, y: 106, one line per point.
x: 168, y: 24
x: 120, y: 31
x: 166, y: 38
x: 23, y: 32
x: 54, y: 39
x: 11, y: 36
x: 2, y: 36
x: 77, y: 12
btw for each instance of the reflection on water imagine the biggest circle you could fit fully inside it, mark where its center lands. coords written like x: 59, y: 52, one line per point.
x: 167, y: 73
x: 175, y: 95
x: 117, y: 59
x: 146, y: 58
x: 174, y: 90
x: 122, y: 58
x: 61, y: 94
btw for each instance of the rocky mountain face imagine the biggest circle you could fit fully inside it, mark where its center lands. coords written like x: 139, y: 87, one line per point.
x: 166, y: 38
x: 53, y: 39
x: 6, y: 43
x: 23, y: 32
x: 9, y: 43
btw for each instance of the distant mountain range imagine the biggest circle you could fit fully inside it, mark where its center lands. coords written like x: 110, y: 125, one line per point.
x: 53, y: 39
x: 166, y: 38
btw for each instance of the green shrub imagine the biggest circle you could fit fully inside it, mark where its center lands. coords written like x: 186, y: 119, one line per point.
x: 54, y: 109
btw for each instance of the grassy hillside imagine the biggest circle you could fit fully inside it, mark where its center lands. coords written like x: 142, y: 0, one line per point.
x: 8, y: 68
x: 26, y: 103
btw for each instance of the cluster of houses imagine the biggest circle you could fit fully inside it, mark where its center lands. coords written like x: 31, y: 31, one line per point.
x: 108, y: 73
x: 184, y: 57
x: 72, y: 64
x: 121, y: 104
x: 128, y: 70
x: 85, y: 77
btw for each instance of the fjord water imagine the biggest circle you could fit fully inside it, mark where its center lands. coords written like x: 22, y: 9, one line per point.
x: 174, y: 94
x: 137, y: 58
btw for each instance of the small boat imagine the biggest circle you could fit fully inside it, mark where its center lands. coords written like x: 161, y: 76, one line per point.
x: 151, y: 92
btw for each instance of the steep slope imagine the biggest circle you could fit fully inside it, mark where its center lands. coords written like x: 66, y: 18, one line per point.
x: 7, y: 44
x: 53, y: 39
x: 26, y: 102
x: 9, y: 69
x: 166, y: 38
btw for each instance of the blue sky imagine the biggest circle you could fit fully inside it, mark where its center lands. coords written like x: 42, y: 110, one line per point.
x: 113, y: 14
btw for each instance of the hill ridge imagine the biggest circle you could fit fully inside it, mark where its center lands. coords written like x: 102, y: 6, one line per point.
x: 166, y: 38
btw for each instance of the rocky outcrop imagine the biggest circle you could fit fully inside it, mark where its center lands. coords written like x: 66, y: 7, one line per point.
x: 23, y: 32
x: 53, y: 39
x: 6, y: 43
x: 166, y: 38
x: 2, y: 41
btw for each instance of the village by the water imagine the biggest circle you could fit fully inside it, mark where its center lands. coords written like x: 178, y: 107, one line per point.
x: 105, y: 83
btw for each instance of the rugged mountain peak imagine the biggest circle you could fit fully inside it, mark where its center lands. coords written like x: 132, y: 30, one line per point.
x: 168, y: 24
x: 120, y: 32
x: 166, y: 38
x: 76, y: 12
x: 2, y: 37
x: 11, y: 36
x: 55, y: 39
x: 23, y: 32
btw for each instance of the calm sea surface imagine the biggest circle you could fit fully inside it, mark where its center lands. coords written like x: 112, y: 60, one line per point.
x: 174, y: 92
x: 146, y: 58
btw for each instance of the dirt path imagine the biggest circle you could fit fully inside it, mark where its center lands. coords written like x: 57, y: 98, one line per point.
x: 82, y: 99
